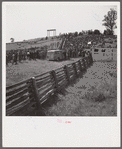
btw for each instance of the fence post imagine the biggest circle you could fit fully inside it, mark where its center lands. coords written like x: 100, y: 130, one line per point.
x: 74, y: 66
x: 36, y: 95
x: 67, y: 73
x: 54, y: 77
x: 30, y: 90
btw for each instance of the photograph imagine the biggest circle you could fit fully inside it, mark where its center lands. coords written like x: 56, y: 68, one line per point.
x: 68, y: 70
x: 60, y: 60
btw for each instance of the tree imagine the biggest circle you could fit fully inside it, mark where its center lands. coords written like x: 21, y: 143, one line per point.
x: 108, y: 32
x: 110, y: 20
x: 96, y: 32
x: 80, y: 33
x: 12, y: 39
x: 90, y: 32
x: 76, y: 34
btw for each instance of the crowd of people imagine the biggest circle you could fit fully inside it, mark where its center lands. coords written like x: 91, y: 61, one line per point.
x: 95, y: 40
x: 72, y: 47
x: 77, y: 46
x: 16, y: 56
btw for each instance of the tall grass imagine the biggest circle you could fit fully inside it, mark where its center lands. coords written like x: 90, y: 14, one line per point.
x: 90, y: 96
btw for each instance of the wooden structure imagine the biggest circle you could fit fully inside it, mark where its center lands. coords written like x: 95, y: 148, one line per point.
x: 100, y: 54
x: 26, y: 98
x: 51, y: 30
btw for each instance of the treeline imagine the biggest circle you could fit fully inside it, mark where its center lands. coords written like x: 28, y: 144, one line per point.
x: 87, y: 32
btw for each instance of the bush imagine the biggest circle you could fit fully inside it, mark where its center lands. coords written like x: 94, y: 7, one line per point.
x: 95, y: 96
x: 104, y: 90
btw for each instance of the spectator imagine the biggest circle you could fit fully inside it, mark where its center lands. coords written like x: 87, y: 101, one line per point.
x: 28, y: 55
x: 15, y: 58
x: 13, y: 55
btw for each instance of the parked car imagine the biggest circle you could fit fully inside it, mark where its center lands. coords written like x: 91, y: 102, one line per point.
x: 55, y: 55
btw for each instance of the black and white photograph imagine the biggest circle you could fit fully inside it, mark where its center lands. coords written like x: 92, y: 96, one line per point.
x: 61, y: 72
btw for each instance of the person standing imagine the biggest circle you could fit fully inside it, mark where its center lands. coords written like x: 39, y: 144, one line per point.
x: 28, y: 55
x: 83, y: 53
x: 64, y: 54
x: 15, y: 58
x: 10, y: 57
x: 73, y: 53
x: 33, y: 55
x: 6, y: 59
x: 24, y: 55
x: 19, y: 56
x: 13, y: 55
x: 68, y: 53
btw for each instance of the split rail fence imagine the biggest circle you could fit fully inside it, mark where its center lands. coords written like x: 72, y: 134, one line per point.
x: 26, y: 98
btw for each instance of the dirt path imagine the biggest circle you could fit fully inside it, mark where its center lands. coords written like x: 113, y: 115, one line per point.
x: 95, y: 94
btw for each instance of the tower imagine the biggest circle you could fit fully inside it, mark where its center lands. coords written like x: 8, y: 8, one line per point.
x: 51, y: 30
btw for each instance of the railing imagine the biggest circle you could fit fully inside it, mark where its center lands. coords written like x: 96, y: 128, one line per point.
x: 61, y: 46
x: 26, y: 98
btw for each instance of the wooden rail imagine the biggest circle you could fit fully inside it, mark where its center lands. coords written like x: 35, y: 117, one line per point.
x: 26, y: 98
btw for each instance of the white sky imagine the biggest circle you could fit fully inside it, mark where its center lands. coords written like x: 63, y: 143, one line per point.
x: 31, y: 20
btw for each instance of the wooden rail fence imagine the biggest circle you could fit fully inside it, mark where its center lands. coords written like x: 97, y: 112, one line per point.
x: 26, y: 98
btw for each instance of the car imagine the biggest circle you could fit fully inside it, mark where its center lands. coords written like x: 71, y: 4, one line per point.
x: 55, y: 55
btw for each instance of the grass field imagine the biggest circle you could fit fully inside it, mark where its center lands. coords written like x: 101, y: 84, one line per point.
x: 95, y: 94
x: 27, y: 69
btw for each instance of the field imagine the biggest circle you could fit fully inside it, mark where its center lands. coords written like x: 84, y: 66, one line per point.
x: 95, y: 94
x: 27, y: 69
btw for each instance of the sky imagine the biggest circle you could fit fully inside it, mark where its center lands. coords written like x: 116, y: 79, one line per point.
x: 31, y: 20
